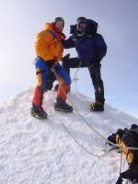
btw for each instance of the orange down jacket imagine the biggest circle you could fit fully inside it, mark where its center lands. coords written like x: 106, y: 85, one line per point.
x: 48, y: 44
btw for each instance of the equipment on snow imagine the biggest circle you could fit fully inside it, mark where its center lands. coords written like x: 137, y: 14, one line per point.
x: 128, y: 138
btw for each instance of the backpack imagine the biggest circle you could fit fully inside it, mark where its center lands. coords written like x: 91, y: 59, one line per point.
x: 92, y: 27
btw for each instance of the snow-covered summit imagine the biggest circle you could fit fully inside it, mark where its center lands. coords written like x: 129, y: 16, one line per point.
x: 43, y: 152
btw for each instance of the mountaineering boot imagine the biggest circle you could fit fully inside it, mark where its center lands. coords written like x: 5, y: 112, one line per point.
x: 61, y: 105
x: 97, y: 107
x: 38, y: 112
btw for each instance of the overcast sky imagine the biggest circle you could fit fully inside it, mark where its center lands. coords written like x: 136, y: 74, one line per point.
x: 20, y: 21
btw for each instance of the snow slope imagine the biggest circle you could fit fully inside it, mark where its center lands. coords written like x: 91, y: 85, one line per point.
x: 43, y: 152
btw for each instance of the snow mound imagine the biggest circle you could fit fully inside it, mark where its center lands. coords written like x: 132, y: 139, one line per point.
x: 43, y: 152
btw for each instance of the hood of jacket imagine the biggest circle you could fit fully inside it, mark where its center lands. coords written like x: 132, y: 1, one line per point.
x: 91, y: 28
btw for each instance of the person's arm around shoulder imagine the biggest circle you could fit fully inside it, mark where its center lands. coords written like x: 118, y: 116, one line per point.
x: 69, y: 43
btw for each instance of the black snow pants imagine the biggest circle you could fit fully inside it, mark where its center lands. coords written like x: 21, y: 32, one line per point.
x: 95, y: 74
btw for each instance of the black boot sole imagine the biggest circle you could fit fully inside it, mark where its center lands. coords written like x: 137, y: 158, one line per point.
x: 38, y: 117
x: 95, y: 110
x: 63, y: 110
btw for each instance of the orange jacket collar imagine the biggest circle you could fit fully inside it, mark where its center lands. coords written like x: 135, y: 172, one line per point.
x: 49, y: 26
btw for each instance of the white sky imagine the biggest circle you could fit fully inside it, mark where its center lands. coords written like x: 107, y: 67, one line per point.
x: 20, y: 21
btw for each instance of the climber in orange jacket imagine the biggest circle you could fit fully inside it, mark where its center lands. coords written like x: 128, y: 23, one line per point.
x: 49, y: 50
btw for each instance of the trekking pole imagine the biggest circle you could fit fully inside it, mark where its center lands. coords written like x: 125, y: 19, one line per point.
x: 121, y: 159
x: 75, y: 79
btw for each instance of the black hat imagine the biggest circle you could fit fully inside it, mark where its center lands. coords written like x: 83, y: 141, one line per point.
x: 81, y: 20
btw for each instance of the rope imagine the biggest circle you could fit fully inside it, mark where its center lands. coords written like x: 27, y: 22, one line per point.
x: 77, y: 142
x: 98, y: 156
x: 98, y: 133
x: 91, y: 127
x: 95, y: 155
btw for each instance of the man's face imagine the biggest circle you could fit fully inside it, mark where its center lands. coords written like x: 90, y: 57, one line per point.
x: 81, y: 26
x: 60, y: 25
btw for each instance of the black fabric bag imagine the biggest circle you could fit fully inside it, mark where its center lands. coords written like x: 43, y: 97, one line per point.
x: 128, y: 138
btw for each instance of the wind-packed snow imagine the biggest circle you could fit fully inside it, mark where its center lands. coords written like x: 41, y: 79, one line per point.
x: 43, y: 152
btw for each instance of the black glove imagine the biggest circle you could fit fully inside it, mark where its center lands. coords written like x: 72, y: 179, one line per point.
x: 66, y: 57
x: 112, y: 138
x: 84, y: 64
x: 120, y: 132
x: 51, y: 63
